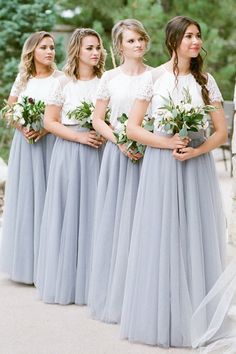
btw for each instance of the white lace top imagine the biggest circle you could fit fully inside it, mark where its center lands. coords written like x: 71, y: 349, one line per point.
x: 37, y: 88
x: 160, y: 83
x: 121, y: 90
x: 68, y: 93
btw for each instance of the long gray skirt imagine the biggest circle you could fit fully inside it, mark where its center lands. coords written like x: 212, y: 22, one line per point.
x: 67, y: 224
x: 177, y: 249
x: 28, y: 169
x: 117, y: 190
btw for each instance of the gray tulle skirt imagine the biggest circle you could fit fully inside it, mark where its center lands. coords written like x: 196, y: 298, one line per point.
x: 67, y: 224
x: 177, y: 249
x: 117, y: 191
x: 28, y: 169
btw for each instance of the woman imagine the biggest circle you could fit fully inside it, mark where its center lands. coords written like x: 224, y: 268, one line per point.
x: 66, y: 231
x: 28, y: 163
x: 119, y: 177
x: 177, y: 249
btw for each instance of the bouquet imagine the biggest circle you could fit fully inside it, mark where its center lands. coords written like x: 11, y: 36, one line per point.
x: 121, y: 137
x: 83, y: 114
x: 28, y: 113
x: 183, y: 117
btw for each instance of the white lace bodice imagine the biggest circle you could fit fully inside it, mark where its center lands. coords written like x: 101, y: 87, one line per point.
x: 160, y: 83
x: 37, y: 88
x: 68, y: 93
x: 121, y: 90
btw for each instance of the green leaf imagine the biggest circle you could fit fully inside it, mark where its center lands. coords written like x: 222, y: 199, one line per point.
x: 183, y: 133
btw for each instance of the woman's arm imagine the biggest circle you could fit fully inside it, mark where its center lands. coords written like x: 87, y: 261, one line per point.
x: 137, y: 133
x: 52, y: 124
x: 99, y: 120
x: 216, y: 139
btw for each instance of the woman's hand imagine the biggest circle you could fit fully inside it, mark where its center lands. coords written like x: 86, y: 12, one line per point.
x: 129, y: 153
x: 185, y: 153
x: 90, y: 138
x: 33, y: 134
x: 175, y: 142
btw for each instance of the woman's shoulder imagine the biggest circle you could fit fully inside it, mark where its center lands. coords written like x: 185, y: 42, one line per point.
x: 214, y: 91
x: 62, y: 79
x: 158, y: 72
x: 110, y: 74
x: 151, y: 75
x: 57, y: 73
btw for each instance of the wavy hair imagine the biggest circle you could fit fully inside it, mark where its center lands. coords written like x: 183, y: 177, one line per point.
x: 27, y: 66
x: 127, y: 24
x: 71, y: 67
x: 175, y: 31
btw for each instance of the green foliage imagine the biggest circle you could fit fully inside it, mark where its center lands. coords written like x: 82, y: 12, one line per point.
x: 217, y: 19
x: 6, y: 134
x: 18, y: 19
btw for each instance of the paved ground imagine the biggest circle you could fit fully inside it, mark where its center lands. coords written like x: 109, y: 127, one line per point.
x: 28, y: 326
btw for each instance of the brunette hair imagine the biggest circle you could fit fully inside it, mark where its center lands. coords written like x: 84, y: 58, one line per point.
x: 71, y: 67
x: 175, y: 31
x: 117, y: 34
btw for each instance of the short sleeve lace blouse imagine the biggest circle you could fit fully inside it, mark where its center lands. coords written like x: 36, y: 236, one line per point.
x: 69, y: 93
x: 121, y: 90
x: 160, y: 83
x: 37, y: 88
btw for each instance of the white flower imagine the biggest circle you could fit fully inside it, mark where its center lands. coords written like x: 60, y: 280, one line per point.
x: 18, y: 110
x: 160, y: 112
x: 168, y: 115
x: 22, y: 121
x: 187, y: 107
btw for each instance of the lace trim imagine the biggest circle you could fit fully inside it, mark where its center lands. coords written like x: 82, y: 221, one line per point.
x: 103, y: 91
x: 145, y: 92
x: 17, y: 87
x: 214, y: 92
x: 56, y: 97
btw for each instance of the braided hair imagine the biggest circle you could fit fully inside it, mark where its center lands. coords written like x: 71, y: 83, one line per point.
x: 175, y: 31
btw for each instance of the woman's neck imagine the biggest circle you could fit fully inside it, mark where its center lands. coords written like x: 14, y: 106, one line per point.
x: 133, y: 67
x: 183, y: 65
x: 86, y: 72
x: 43, y: 71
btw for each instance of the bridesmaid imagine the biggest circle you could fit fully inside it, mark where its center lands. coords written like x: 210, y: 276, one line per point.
x: 66, y: 231
x: 177, y: 249
x: 119, y: 177
x: 28, y: 164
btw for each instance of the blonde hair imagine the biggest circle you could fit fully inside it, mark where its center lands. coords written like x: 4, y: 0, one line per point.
x: 127, y: 24
x: 71, y: 67
x: 27, y: 65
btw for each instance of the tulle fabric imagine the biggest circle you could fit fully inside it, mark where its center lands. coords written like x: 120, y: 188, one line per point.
x: 67, y: 224
x: 117, y: 191
x: 214, y: 321
x: 177, y: 247
x: 26, y: 185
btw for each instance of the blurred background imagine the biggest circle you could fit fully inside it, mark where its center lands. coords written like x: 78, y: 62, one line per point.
x: 19, y: 18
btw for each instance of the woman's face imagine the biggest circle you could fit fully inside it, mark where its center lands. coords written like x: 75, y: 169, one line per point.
x: 191, y: 43
x: 44, y: 53
x: 133, y: 45
x: 90, y: 51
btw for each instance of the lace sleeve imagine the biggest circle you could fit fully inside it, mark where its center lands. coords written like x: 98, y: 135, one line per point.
x: 214, y: 92
x: 17, y: 87
x: 145, y: 91
x: 103, y: 90
x: 56, y: 96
